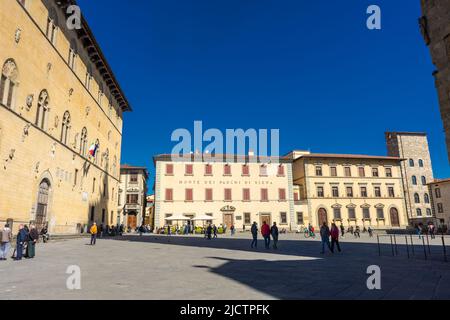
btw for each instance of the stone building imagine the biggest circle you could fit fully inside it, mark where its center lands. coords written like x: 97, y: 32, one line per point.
x: 58, y: 99
x: 236, y: 190
x: 149, y: 218
x: 435, y: 27
x: 132, y: 196
x: 417, y: 172
x: 350, y: 190
x: 440, y: 190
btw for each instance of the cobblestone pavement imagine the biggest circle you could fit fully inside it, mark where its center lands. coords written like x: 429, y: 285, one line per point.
x: 159, y: 267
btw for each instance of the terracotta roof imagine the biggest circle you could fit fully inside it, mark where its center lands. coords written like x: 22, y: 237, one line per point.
x: 349, y: 156
x: 127, y: 166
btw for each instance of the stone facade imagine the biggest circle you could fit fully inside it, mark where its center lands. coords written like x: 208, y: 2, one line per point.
x: 417, y: 171
x: 440, y: 189
x: 132, y: 196
x: 58, y: 97
x: 350, y: 190
x: 435, y: 27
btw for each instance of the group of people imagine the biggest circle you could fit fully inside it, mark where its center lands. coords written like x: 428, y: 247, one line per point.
x: 326, y: 233
x: 26, y: 240
x: 430, y: 229
x: 267, y: 232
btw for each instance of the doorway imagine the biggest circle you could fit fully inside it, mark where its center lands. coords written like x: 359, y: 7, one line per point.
x: 42, y: 204
x: 323, y: 217
x: 395, y: 219
x: 228, y: 219
x: 265, y: 217
x: 132, y: 220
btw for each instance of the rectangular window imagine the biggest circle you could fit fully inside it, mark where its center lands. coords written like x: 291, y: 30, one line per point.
x: 189, y: 195
x: 264, y: 195
x: 227, y: 170
x: 134, y: 178
x: 375, y: 172
x: 380, y: 213
x: 363, y: 192
x: 366, y: 213
x: 440, y: 208
x: 337, y: 214
x: 104, y: 190
x: 320, y: 192
x: 245, y: 170
x: 391, y: 192
x: 93, y: 185
x: 352, y: 213
x: 349, y: 192
x: 335, y: 191
x: 208, y: 170
x: 282, y: 194
x: 280, y: 171
x: 209, y: 195
x: 333, y: 171
x: 319, y: 172
x: 389, y: 172
x: 228, y: 196
x: 169, y: 194
x: 189, y: 170
x: 378, y: 192
x: 438, y: 193
x: 246, y: 195
x: 132, y: 198
x: 300, y: 219
x: 283, y: 218
x: 247, y: 218
x: 169, y: 169
x: 362, y: 172
x: 348, y: 171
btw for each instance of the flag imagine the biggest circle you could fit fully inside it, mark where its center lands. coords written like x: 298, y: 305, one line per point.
x: 93, y: 150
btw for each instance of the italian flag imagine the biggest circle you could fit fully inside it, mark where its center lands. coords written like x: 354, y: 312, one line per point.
x: 93, y: 150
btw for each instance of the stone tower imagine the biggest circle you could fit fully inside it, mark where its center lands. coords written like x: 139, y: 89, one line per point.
x: 435, y: 28
x: 417, y: 172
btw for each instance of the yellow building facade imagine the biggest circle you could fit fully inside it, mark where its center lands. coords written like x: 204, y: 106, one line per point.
x: 350, y: 190
x: 58, y: 98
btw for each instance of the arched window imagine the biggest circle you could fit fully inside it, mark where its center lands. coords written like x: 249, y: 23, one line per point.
x: 411, y: 162
x: 419, y: 212
x: 73, y: 52
x: 424, y: 181
x: 52, y: 25
x: 421, y: 163
x: 8, y: 83
x: 83, y: 143
x: 414, y: 180
x: 42, y: 110
x: 416, y: 198
x: 65, y: 127
x: 429, y: 213
x: 427, y: 198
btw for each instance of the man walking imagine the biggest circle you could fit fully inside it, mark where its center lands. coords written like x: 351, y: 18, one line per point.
x: 254, y: 231
x: 274, y: 233
x: 5, y: 237
x: 209, y: 231
x: 342, y: 231
x: 215, y: 231
x: 93, y: 232
x: 325, y: 235
x: 335, y: 237
x: 265, y: 231
x: 33, y: 238
x: 20, y: 240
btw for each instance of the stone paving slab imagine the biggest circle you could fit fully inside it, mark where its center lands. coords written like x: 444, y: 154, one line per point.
x: 159, y: 267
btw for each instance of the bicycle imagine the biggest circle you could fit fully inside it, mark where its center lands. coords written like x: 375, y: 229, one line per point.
x: 309, y: 234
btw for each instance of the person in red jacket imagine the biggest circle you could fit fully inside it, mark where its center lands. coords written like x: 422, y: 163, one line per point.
x: 335, y: 237
x: 265, y: 231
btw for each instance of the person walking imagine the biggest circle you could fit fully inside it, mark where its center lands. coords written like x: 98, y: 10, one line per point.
x: 335, y: 237
x: 33, y: 238
x: 357, y: 232
x: 20, y: 240
x: 254, y: 231
x: 370, y: 232
x: 419, y: 231
x: 431, y: 230
x: 209, y: 231
x: 232, y: 229
x: 274, y: 233
x: 215, y: 231
x: 342, y: 231
x: 5, y: 238
x: 93, y: 232
x: 325, y: 236
x: 265, y: 231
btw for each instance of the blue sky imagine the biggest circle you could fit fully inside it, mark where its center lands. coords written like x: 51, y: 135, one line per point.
x: 309, y: 68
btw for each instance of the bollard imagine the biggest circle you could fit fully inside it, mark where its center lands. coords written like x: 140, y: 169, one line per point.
x: 379, y: 248
x: 412, y: 245
x: 428, y: 244
x: 392, y: 247
x: 424, y: 248
x: 396, y: 248
x: 407, y: 247
x: 445, y: 249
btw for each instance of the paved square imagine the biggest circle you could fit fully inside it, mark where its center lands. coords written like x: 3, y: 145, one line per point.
x: 158, y: 267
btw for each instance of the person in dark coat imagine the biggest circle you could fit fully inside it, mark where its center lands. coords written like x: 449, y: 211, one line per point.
x: 254, y: 231
x: 33, y: 238
x: 274, y: 233
x: 21, y: 238
x: 335, y: 238
x: 209, y: 231
x: 215, y: 231
x: 325, y: 235
x: 342, y: 231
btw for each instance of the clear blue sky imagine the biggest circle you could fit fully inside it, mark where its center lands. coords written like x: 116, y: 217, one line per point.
x: 309, y: 68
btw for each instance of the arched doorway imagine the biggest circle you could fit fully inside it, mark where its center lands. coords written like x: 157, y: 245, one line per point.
x: 132, y: 220
x: 42, y: 204
x: 323, y: 216
x: 395, y: 219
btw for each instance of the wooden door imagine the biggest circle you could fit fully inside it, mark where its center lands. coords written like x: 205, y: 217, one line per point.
x: 132, y: 221
x: 323, y: 217
x: 395, y: 219
x: 228, y: 219
x: 265, y: 218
